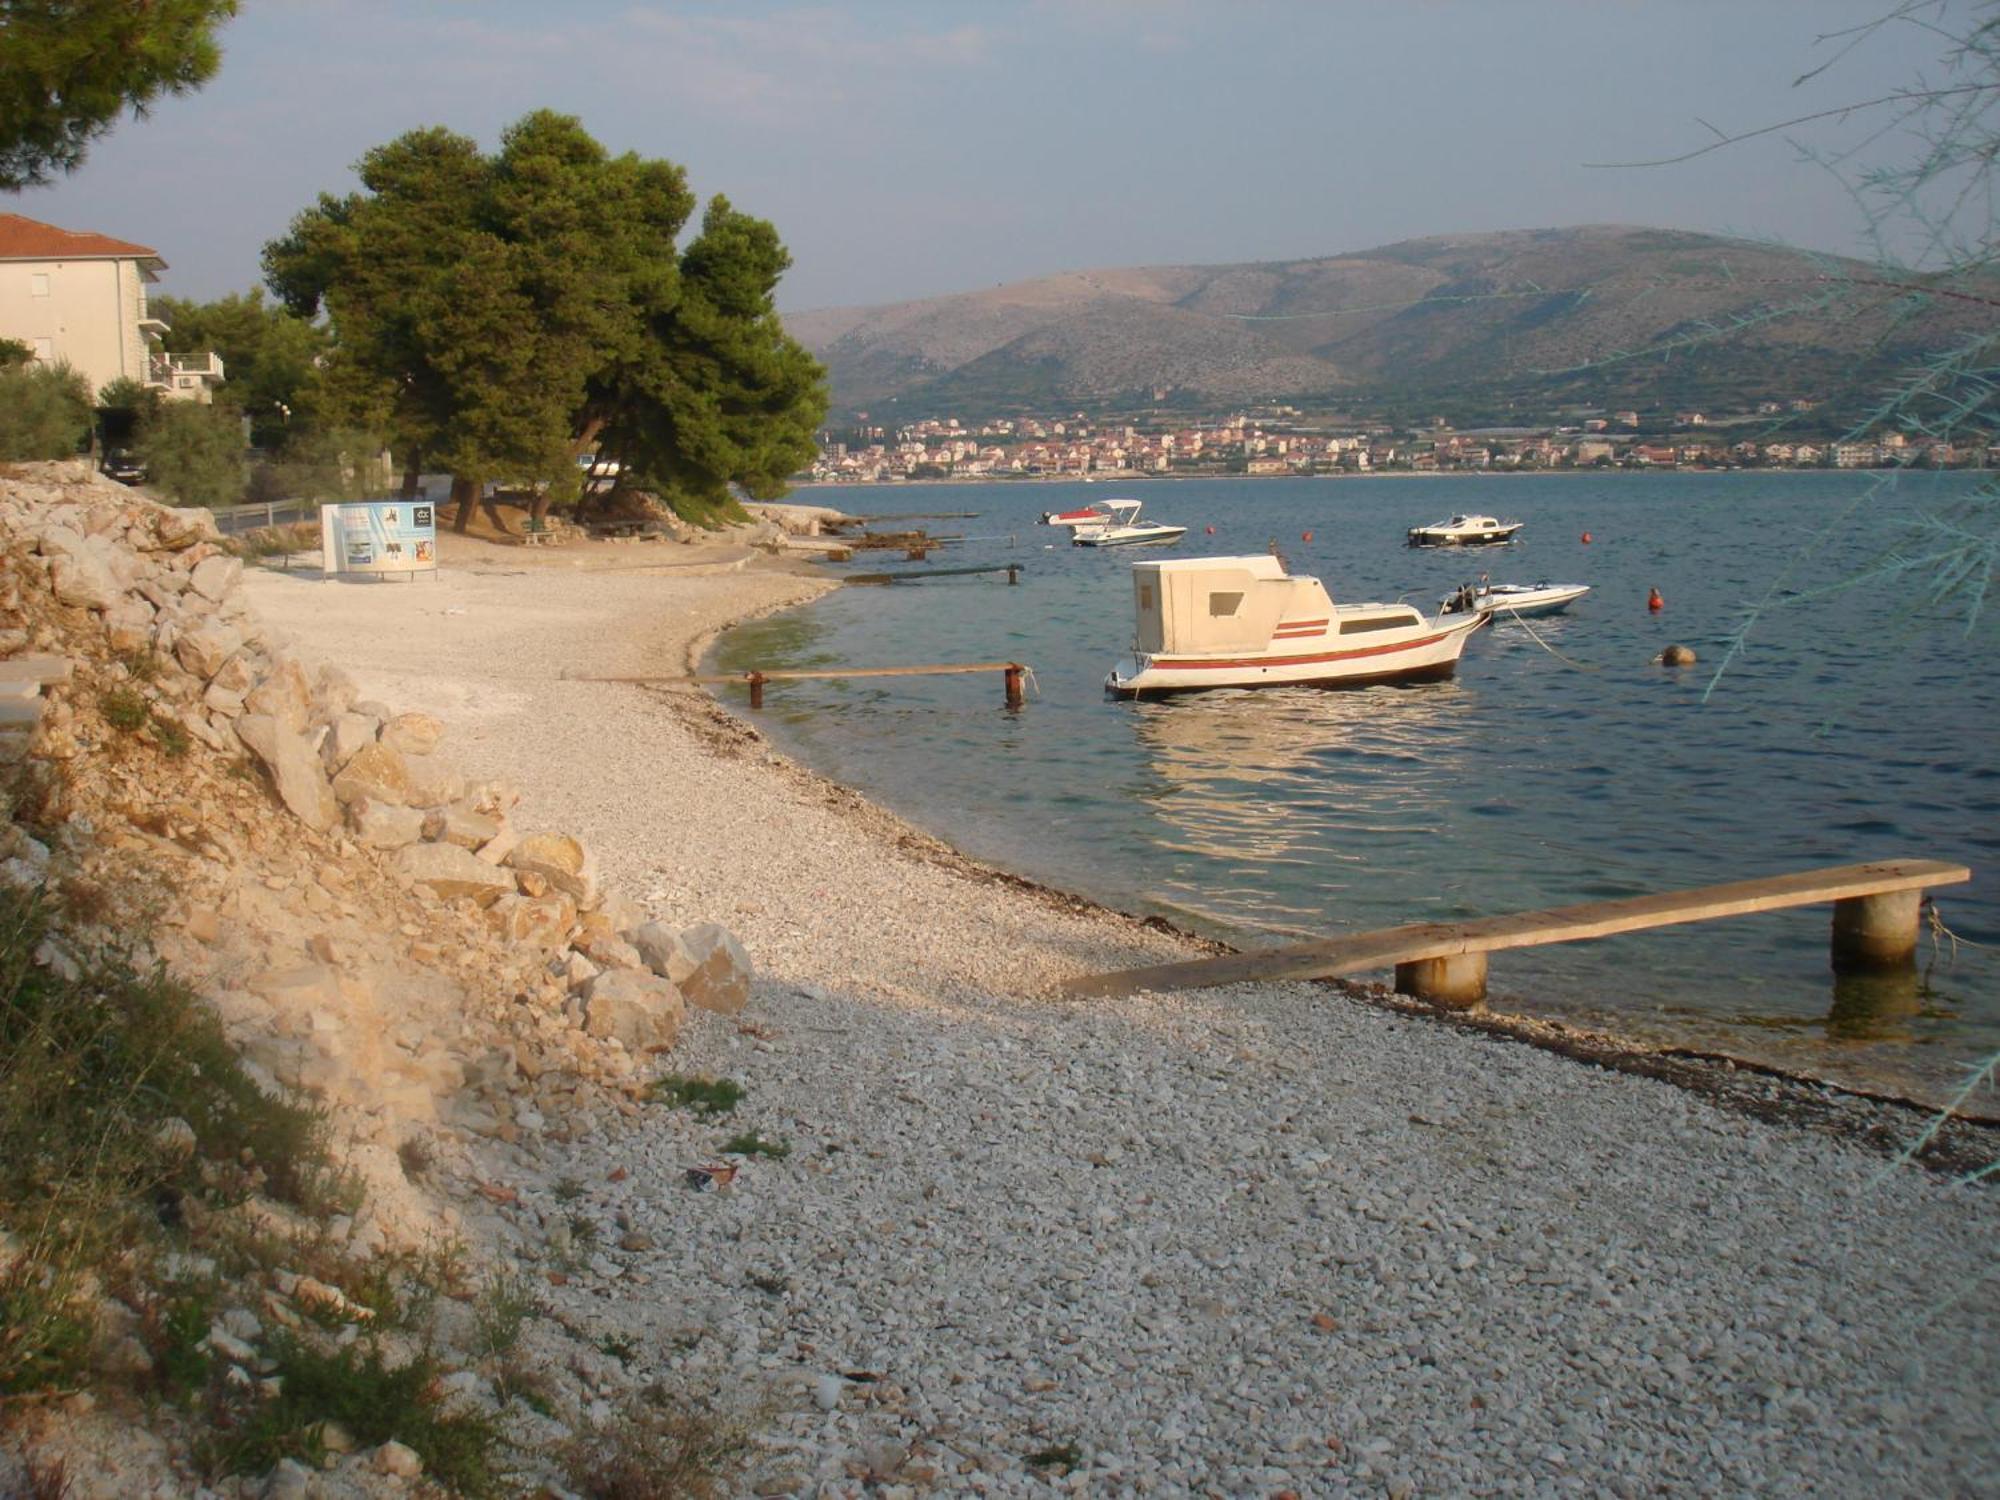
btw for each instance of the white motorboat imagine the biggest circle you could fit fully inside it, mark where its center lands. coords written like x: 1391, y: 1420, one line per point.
x: 1207, y: 622
x: 1464, y: 531
x: 1119, y: 526
x: 1503, y: 599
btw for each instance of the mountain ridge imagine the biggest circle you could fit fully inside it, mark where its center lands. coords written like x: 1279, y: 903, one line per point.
x: 1606, y: 312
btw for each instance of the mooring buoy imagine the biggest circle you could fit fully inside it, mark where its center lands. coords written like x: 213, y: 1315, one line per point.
x: 1654, y: 602
x: 1677, y: 656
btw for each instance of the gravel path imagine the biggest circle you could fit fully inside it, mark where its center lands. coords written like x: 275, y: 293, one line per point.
x: 1238, y: 1243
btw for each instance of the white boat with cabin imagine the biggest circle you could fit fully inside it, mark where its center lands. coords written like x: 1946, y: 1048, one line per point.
x: 1542, y: 598
x: 1465, y: 531
x: 1119, y: 526
x: 1208, y: 622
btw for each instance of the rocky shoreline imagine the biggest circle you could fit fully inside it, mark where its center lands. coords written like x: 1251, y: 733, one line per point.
x: 1253, y: 1241
x: 889, y: 1217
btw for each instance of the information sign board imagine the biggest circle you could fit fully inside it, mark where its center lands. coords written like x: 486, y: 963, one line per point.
x: 378, y: 536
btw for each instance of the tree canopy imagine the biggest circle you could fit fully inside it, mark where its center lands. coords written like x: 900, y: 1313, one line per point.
x: 268, y: 355
x: 498, y: 315
x: 69, y: 68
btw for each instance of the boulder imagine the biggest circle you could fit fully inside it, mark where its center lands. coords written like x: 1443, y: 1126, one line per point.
x: 293, y: 767
x: 376, y: 772
x: 203, y: 648
x: 413, y: 734
x: 216, y: 577
x: 383, y: 825
x: 450, y: 872
x: 346, y: 736
x: 639, y: 1009
x: 564, y: 862
x: 83, y: 580
x: 334, y: 693
x: 430, y: 780
x: 719, y: 979
x: 459, y: 824
x: 284, y: 694
x: 539, y: 922
x: 179, y: 529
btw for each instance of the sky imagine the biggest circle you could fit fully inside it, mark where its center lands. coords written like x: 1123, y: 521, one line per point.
x: 906, y: 149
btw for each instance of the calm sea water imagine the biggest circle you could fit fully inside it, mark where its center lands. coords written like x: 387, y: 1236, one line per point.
x: 1558, y: 766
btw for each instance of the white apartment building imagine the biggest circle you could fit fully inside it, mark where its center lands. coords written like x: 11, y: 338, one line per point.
x: 81, y: 297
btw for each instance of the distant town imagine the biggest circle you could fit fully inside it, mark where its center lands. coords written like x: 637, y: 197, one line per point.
x: 1284, y: 441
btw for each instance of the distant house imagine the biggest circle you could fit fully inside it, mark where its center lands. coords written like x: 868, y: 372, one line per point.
x: 74, y: 296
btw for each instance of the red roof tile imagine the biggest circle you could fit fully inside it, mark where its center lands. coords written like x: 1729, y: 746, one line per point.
x: 28, y: 239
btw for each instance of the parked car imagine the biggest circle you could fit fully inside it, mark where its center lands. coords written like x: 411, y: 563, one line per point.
x: 123, y: 467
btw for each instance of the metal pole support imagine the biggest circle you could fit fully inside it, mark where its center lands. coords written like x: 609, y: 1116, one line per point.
x: 756, y: 681
x: 1456, y: 982
x: 1013, y: 574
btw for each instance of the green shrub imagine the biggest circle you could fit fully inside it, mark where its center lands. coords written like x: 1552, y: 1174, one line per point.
x: 374, y: 1401
x: 93, y: 1070
x: 194, y: 454
x: 45, y: 412
x: 124, y: 709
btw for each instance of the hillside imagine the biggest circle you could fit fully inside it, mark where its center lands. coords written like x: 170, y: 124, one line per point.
x: 1605, y: 313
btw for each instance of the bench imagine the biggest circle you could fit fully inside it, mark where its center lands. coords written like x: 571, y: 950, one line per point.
x: 1875, y: 920
x: 535, y: 533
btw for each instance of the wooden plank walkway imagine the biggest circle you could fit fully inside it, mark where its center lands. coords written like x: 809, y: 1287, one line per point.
x: 1427, y: 942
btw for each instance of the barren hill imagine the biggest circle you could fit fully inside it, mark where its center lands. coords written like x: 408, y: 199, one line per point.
x: 1605, y: 312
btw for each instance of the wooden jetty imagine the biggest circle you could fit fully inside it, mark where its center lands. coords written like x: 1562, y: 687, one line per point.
x: 1013, y: 675
x: 1875, y: 926
x: 918, y: 575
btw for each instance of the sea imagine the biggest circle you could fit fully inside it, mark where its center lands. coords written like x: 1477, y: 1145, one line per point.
x: 1837, y: 712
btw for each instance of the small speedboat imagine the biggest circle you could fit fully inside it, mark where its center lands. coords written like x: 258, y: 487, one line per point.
x: 1118, y: 525
x: 1542, y: 598
x: 1464, y: 531
x: 1208, y: 622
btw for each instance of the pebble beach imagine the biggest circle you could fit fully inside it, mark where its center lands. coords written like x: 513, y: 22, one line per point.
x: 1253, y: 1241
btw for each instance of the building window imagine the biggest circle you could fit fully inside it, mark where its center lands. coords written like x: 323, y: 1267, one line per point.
x: 38, y: 284
x: 1222, y: 606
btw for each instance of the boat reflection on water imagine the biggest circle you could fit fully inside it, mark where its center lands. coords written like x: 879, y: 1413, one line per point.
x: 1326, y: 782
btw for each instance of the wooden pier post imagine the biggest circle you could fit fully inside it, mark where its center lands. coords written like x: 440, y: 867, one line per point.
x: 756, y: 681
x: 1013, y: 574
x: 1456, y: 981
x: 1875, y: 932
x: 1015, y: 672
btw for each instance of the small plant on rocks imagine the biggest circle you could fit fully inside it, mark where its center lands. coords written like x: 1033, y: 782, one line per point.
x: 123, y: 708
x: 750, y: 1143
x: 705, y: 1096
x: 662, y: 1449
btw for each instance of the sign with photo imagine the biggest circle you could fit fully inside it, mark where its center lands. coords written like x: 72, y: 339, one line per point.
x: 379, y: 536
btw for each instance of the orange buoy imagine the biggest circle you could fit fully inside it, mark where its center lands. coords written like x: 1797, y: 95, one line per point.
x: 1586, y: 539
x: 1305, y: 536
x: 1209, y: 529
x: 1654, y: 602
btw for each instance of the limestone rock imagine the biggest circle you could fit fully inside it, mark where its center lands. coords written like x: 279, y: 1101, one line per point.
x: 334, y: 693
x: 293, y: 767
x: 285, y: 695
x: 383, y: 825
x: 542, y: 922
x: 83, y: 580
x: 216, y: 577
x: 178, y: 528
x: 639, y: 1009
x: 564, y: 862
x: 347, y: 735
x: 203, y: 648
x: 430, y: 781
x: 450, y: 872
x: 413, y: 734
x: 719, y: 980
x: 460, y: 825
x: 375, y: 772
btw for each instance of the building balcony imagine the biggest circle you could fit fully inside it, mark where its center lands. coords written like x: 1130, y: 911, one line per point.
x: 185, y: 377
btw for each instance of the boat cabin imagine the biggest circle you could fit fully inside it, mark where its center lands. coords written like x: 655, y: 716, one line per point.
x: 1198, y: 606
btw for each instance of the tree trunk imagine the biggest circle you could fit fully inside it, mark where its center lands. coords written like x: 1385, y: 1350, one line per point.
x: 412, y: 472
x: 465, y: 495
x: 540, y: 508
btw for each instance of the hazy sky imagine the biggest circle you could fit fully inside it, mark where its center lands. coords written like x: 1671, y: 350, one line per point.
x: 905, y: 149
